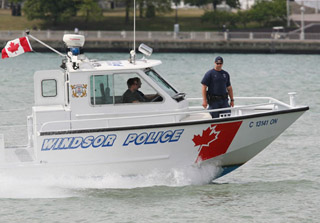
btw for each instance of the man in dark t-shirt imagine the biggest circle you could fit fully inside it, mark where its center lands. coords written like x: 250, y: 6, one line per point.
x: 132, y: 95
x: 216, y: 87
x: 145, y: 97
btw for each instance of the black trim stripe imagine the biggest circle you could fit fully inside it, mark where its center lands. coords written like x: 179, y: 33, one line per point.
x: 236, y: 118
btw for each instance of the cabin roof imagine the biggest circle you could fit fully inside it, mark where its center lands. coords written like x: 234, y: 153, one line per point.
x: 113, y: 65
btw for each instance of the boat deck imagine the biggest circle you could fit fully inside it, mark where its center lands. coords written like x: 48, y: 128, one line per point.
x: 193, y: 113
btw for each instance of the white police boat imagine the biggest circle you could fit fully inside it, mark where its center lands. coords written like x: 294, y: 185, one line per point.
x: 79, y: 124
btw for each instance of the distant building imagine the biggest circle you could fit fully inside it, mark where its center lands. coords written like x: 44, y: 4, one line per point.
x: 246, y: 4
x: 181, y: 5
x: 315, y: 4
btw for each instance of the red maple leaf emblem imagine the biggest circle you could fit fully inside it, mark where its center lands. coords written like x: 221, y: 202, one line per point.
x: 13, y: 47
x: 208, y: 136
x: 210, y: 145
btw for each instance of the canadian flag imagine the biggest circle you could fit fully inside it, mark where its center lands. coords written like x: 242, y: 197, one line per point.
x: 16, y: 47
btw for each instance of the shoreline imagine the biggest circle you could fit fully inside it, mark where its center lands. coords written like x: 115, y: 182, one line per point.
x: 192, y: 46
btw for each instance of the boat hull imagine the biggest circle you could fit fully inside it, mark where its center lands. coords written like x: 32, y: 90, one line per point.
x: 225, y: 143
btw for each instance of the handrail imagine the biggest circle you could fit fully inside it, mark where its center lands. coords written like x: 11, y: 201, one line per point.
x: 144, y: 113
x: 44, y: 125
x: 253, y: 98
x: 246, y: 98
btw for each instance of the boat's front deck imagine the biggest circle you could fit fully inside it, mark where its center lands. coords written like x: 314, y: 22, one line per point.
x: 197, y: 116
x: 248, y: 106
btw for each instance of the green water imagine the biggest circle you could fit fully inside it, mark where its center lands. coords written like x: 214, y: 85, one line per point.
x: 279, y: 185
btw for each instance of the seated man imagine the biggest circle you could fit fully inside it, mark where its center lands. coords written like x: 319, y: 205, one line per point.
x: 146, y: 97
x: 132, y: 95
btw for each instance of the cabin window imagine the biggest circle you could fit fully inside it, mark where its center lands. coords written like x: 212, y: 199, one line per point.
x: 161, y: 82
x: 101, y: 89
x: 146, y: 92
x: 49, y: 88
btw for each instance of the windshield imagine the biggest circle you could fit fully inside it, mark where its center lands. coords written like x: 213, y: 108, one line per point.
x: 161, y: 82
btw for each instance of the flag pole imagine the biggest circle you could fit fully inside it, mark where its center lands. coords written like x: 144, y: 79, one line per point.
x: 39, y: 41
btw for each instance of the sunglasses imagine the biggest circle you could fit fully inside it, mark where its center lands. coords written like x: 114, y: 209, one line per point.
x: 218, y: 63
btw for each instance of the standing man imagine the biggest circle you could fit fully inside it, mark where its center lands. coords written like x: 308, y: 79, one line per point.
x: 216, y: 88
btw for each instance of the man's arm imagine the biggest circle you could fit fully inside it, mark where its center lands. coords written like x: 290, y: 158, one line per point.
x: 150, y: 97
x: 204, y: 96
x: 230, y: 92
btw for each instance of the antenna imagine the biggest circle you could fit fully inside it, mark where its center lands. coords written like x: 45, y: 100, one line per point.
x: 133, y: 51
x: 134, y: 25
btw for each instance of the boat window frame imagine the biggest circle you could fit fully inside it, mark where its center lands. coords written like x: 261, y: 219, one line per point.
x: 139, y: 74
x: 168, y: 86
x: 94, y: 93
x: 56, y: 88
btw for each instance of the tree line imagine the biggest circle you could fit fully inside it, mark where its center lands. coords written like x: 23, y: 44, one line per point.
x: 264, y: 12
x: 56, y: 11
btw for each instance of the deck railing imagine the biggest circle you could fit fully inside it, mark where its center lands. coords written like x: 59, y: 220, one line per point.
x: 270, y: 105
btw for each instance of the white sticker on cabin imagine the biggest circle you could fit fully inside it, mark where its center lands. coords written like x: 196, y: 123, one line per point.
x: 115, y: 63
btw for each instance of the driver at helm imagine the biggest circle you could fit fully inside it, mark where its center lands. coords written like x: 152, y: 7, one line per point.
x: 131, y: 95
x: 146, y: 97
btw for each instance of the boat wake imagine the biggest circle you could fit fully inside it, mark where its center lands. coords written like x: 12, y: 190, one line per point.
x: 21, y: 187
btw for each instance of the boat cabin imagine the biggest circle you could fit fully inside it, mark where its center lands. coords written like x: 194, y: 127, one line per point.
x: 89, y: 94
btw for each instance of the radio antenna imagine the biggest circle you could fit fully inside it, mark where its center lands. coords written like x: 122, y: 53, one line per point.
x: 133, y: 51
x: 134, y: 25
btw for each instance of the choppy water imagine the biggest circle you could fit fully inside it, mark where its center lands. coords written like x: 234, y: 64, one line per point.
x: 281, y: 184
